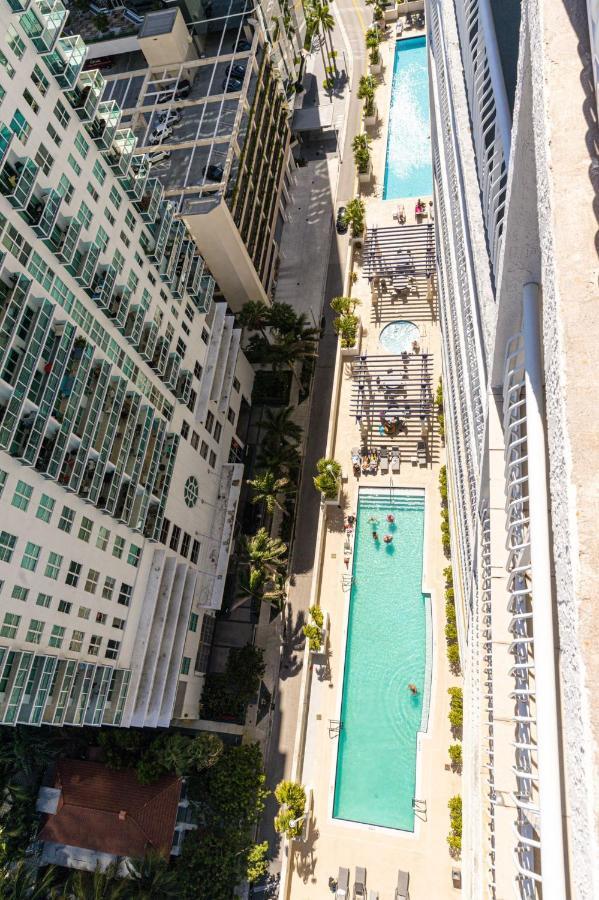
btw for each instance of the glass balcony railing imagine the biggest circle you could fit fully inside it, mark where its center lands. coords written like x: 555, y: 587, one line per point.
x: 86, y: 96
x: 172, y: 251
x: 119, y: 307
x: 136, y: 180
x: 204, y: 300
x: 63, y: 240
x: 159, y: 357
x: 18, y: 5
x: 148, y: 340
x: 43, y: 23
x: 102, y: 286
x: 194, y: 279
x: 173, y: 367
x: 17, y: 182
x: 161, y: 232
x: 151, y: 200
x: 184, y: 386
x: 103, y: 126
x: 85, y: 264
x: 44, y: 222
x: 121, y: 152
x: 66, y: 60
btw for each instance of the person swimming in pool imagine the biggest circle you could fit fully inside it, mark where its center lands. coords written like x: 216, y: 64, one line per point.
x: 388, y: 538
x: 413, y: 688
x: 375, y: 535
x: 391, y: 518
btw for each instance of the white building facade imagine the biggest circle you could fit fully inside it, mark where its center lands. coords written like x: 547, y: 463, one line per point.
x: 513, y: 124
x: 121, y: 384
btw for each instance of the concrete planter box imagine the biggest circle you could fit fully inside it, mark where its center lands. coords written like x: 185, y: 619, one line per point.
x: 355, y: 350
x: 391, y: 15
x: 369, y: 121
x: 376, y: 68
x: 364, y: 177
x: 410, y: 6
x: 334, y: 501
x: 325, y: 637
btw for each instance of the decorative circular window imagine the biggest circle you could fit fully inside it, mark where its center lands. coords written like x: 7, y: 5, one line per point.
x: 191, y: 491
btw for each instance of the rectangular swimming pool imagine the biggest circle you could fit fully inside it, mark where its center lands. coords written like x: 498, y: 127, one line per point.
x: 408, y: 167
x: 385, y: 652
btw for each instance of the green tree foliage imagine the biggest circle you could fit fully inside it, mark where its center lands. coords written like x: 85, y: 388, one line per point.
x: 22, y: 880
x: 151, y: 878
x: 456, y: 708
x: 227, y: 694
x: 180, y: 754
x: 455, y: 755
x: 454, y: 838
x: 328, y: 477
x: 291, y: 797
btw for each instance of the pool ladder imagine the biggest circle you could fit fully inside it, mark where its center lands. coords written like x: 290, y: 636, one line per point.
x: 347, y: 581
x: 335, y: 726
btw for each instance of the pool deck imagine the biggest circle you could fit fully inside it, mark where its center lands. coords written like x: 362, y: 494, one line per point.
x: 331, y: 843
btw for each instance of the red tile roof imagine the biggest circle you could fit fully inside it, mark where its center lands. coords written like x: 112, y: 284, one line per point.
x: 111, y: 812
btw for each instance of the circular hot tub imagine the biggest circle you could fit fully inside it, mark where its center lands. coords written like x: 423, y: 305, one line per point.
x: 397, y: 337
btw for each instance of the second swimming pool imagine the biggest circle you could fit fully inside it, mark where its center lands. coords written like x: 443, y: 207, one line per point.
x: 386, y: 651
x: 408, y: 167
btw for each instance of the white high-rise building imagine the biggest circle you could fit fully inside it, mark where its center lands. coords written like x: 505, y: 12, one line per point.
x: 121, y: 388
x: 514, y: 131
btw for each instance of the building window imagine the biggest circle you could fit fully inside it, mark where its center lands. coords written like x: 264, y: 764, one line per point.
x: 125, y: 594
x: 114, y: 197
x: 175, y: 537
x: 205, y: 645
x: 73, y: 574
x: 40, y: 80
x: 184, y: 430
x: 231, y: 416
x: 185, y: 665
x: 92, y: 191
x: 74, y: 164
x: 191, y: 492
x: 236, y: 385
x: 101, y: 618
x: 109, y: 584
x: 118, y: 547
x: 191, y: 403
x: 204, y: 450
x: 67, y: 517
x: 205, y: 335
x: 44, y: 159
x: 43, y: 600
x: 20, y: 593
x: 85, y: 529
x: 209, y: 422
x: 62, y: 115
x: 95, y: 642
x: 53, y: 565
x: 84, y: 612
x: 197, y: 370
x: 112, y: 649
x: 10, y: 625
x: 181, y: 347
x: 54, y: 134
x: 109, y: 216
x: 195, y: 551
x: 193, y: 621
x: 195, y: 440
x: 35, y: 631
x: 91, y: 582
x: 134, y: 555
x: 22, y: 495
x: 119, y: 623
x: 16, y: 44
x: 57, y: 636
x: 81, y: 145
x: 45, y: 508
x: 218, y: 430
x: 84, y: 215
x: 3, y: 477
x: 76, y: 641
x: 212, y: 459
x: 31, y: 556
x: 185, y: 544
x: 65, y: 607
x: 130, y: 220
x: 103, y: 538
x: 31, y: 101
x: 99, y: 173
x: 164, y: 530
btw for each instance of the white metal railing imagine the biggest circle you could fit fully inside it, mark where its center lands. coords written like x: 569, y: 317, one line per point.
x: 485, y: 626
x: 489, y: 112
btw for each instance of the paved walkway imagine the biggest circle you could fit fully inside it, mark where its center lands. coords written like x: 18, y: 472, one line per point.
x: 313, y: 260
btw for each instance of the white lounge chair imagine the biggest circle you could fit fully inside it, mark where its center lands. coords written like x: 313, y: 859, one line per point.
x: 384, y: 460
x: 395, y: 459
x: 360, y: 883
x: 342, y: 892
x: 356, y: 460
x: 421, y: 453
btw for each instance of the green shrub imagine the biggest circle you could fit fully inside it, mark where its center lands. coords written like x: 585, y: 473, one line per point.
x: 292, y: 799
x: 328, y: 477
x: 455, y: 755
x: 450, y: 611
x: 451, y: 632
x: 317, y: 615
x: 454, y: 838
x: 439, y: 405
x: 443, y: 483
x: 314, y: 635
x: 456, y: 707
x: 448, y: 576
x: 453, y: 656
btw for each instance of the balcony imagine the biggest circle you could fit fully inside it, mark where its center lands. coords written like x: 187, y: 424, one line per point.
x: 43, y: 23
x: 171, y: 373
x: 6, y: 136
x: 203, y: 298
x: 66, y: 60
x: 86, y: 96
x: 182, y: 269
x: 135, y: 182
x: 17, y: 182
x: 64, y: 239
x: 103, y: 126
x: 184, y: 383
x: 121, y: 152
x: 161, y: 232
x: 42, y: 214
x: 84, y: 265
x: 194, y: 279
x: 149, y: 204
x: 172, y: 251
x: 148, y: 341
x: 159, y: 357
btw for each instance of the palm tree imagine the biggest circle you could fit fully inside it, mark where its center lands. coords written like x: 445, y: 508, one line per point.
x: 276, y: 593
x: 20, y: 881
x: 255, y: 316
x: 326, y: 25
x: 265, y: 553
x: 97, y: 885
x: 151, y: 879
x: 283, y: 317
x: 313, y: 25
x: 280, y: 428
x: 284, y: 457
x: 267, y: 488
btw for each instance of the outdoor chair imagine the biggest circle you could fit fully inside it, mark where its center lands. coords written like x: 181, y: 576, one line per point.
x: 360, y: 883
x: 395, y: 459
x: 356, y: 460
x: 342, y: 892
x: 403, y: 883
x: 421, y: 453
x: 384, y: 460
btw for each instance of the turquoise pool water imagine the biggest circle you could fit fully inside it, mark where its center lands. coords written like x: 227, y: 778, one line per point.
x: 385, y: 652
x: 408, y: 168
x: 399, y: 336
